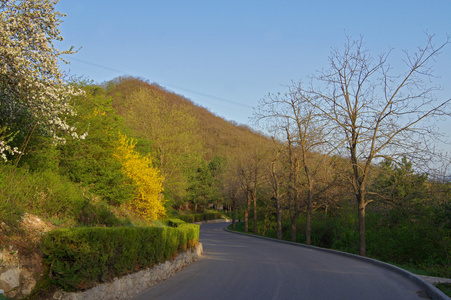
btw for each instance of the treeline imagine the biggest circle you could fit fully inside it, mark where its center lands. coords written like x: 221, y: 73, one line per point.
x: 150, y: 153
x: 342, y: 151
x: 141, y: 153
x: 408, y: 221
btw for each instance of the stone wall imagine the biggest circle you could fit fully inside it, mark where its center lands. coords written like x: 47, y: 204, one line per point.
x: 128, y: 286
x: 18, y: 274
x: 20, y: 266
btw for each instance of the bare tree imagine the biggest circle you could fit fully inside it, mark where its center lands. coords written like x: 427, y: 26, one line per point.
x: 231, y: 188
x: 275, y: 179
x: 250, y: 170
x: 376, y: 113
x: 293, y: 115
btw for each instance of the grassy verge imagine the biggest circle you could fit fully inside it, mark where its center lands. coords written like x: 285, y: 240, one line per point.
x: 445, y: 288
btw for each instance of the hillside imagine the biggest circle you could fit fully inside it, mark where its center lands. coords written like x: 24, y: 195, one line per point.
x: 219, y: 137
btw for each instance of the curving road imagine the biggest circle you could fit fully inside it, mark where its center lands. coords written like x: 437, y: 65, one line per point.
x: 240, y: 267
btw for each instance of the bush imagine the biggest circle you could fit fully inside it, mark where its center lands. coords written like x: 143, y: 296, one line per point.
x: 46, y: 194
x: 200, y: 217
x: 78, y: 258
x: 174, y: 222
x: 99, y: 214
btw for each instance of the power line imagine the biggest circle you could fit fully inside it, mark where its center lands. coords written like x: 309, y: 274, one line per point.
x: 169, y: 85
x: 210, y: 96
x: 97, y: 65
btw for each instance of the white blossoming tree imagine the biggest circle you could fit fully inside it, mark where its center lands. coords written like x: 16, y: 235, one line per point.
x: 33, y: 93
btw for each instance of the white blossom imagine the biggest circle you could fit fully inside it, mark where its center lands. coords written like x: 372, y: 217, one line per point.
x: 4, y: 147
x: 30, y: 78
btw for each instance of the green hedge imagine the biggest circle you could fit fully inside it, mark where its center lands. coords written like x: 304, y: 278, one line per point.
x: 200, y: 217
x: 174, y: 222
x: 79, y: 258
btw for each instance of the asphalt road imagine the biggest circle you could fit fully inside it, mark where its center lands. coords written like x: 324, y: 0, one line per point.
x: 240, y: 267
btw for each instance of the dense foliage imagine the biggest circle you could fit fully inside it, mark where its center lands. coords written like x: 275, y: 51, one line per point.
x: 80, y: 258
x: 148, y: 200
x: 192, y: 218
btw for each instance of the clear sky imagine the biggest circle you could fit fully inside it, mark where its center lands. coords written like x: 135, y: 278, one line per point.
x: 226, y: 55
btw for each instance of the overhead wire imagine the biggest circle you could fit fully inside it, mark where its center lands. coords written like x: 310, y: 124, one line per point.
x: 164, y: 84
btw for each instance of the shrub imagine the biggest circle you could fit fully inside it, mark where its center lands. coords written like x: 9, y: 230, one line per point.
x: 174, y: 222
x: 148, y: 200
x: 46, y: 194
x: 80, y: 257
x: 99, y: 214
x: 200, y: 217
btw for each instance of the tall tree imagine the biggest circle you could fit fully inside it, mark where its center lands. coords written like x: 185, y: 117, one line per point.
x: 276, y: 179
x: 205, y: 183
x: 294, y: 116
x: 250, y: 169
x: 376, y: 113
x: 232, y: 189
x: 90, y: 161
x: 33, y: 94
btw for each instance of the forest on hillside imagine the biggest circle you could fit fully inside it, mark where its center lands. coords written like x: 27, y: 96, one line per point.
x: 137, y: 162
x: 336, y: 166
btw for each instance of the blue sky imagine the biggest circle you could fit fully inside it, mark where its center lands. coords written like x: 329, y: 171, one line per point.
x: 227, y: 55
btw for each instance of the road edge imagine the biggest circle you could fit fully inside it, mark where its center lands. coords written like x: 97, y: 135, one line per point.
x: 431, y: 290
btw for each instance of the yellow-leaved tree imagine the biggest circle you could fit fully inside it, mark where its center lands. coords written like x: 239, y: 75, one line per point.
x: 148, y: 200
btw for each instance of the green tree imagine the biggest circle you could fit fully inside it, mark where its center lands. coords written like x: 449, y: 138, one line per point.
x: 206, y: 183
x: 91, y: 161
x: 400, y: 187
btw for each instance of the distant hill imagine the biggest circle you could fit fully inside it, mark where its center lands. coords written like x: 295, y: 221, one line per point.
x: 219, y: 137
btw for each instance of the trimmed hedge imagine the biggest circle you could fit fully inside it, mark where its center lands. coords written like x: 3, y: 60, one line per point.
x: 174, y: 222
x: 81, y: 257
x: 200, y: 217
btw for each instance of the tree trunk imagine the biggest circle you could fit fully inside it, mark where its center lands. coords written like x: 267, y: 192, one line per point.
x: 308, y: 217
x: 233, y: 211
x: 279, y: 219
x: 308, y: 227
x: 293, y: 229
x: 246, y: 213
x: 362, y: 242
x: 254, y: 200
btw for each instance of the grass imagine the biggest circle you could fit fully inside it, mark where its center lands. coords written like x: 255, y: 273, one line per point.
x: 445, y: 288
x: 414, y: 269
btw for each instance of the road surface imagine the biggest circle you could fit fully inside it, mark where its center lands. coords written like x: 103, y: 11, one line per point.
x: 239, y: 267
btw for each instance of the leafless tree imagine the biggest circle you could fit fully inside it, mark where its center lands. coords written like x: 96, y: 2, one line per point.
x: 250, y: 169
x: 276, y: 179
x: 297, y: 122
x: 376, y: 113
